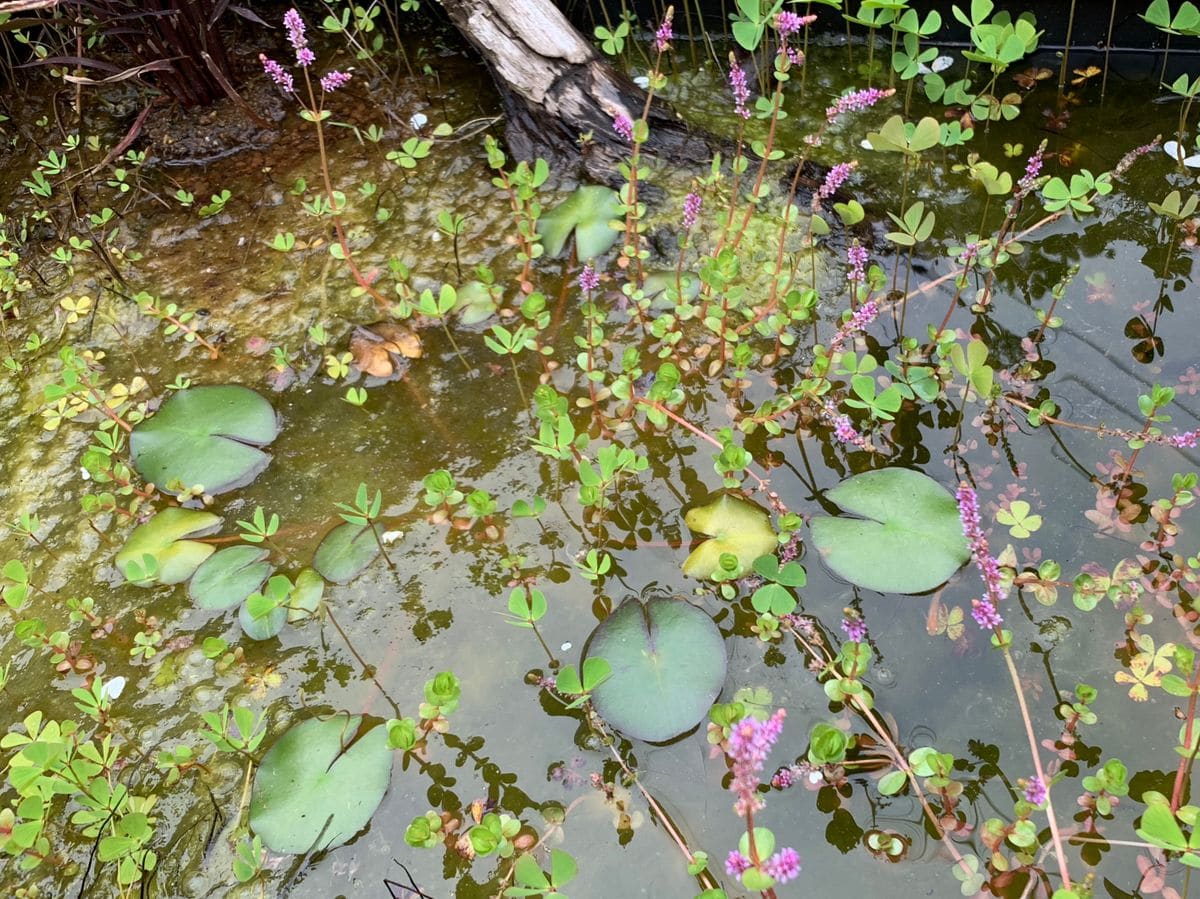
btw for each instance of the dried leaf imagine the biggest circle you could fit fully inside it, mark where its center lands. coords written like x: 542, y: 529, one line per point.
x: 398, y: 339
x: 371, y: 357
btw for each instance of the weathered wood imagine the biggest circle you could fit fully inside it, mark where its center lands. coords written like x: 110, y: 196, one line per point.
x: 557, y: 89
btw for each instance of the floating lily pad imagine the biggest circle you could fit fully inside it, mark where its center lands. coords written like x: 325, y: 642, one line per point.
x: 205, y: 435
x: 587, y: 212
x: 161, y: 538
x: 475, y: 303
x: 736, y: 527
x: 668, y: 665
x: 657, y: 285
x: 320, y: 783
x: 306, y: 596
x: 262, y: 627
x: 227, y: 577
x: 908, y: 538
x: 345, y: 552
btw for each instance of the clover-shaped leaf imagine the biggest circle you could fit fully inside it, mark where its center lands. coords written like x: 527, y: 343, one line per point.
x: 1018, y: 520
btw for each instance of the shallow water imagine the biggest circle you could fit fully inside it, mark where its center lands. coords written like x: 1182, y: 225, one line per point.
x: 441, y: 606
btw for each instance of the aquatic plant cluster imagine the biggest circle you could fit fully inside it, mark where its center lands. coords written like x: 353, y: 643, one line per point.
x: 850, y: 280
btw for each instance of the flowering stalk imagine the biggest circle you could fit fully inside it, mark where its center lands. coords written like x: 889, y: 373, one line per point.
x: 987, y: 615
x: 638, y: 134
x: 747, y: 747
x: 314, y: 111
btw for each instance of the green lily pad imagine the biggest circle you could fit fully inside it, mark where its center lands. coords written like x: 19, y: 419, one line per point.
x: 587, y: 212
x: 228, y: 576
x: 736, y: 527
x: 908, y: 538
x: 161, y: 538
x: 205, y: 435
x: 320, y: 783
x: 345, y: 552
x: 263, y: 627
x: 306, y: 596
x: 657, y: 284
x: 475, y: 303
x: 668, y: 665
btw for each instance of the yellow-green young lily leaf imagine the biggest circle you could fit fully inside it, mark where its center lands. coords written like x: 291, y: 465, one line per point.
x: 736, y: 527
x: 162, y: 539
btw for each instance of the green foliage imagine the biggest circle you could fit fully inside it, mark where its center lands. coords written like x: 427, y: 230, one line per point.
x: 908, y: 537
x: 668, y: 662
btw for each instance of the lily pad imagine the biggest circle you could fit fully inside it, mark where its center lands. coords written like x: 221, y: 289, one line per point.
x: 306, y: 596
x: 161, y: 538
x: 345, y: 552
x: 587, y: 212
x: 320, y: 783
x: 227, y: 577
x: 736, y: 527
x: 668, y: 665
x: 205, y: 435
x: 908, y: 538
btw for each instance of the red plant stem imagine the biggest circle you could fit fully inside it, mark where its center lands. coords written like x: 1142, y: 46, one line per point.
x: 315, y: 111
x: 1185, y: 762
x: 1055, y: 836
x: 699, y: 432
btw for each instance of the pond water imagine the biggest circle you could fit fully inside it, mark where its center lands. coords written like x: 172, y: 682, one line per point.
x: 442, y: 603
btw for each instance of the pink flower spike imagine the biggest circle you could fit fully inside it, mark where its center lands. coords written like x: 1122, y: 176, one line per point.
x: 856, y: 100
x: 784, y: 865
x: 741, y: 92
x: 664, y: 35
x: 333, y: 80
x: 623, y: 125
x: 737, y: 864
x: 589, y: 278
x: 275, y: 70
x: 294, y: 26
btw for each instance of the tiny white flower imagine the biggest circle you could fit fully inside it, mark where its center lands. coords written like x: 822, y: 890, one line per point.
x: 866, y: 144
x: 642, y: 81
x: 390, y: 537
x: 83, y: 473
x: 418, y: 121
x: 566, y: 646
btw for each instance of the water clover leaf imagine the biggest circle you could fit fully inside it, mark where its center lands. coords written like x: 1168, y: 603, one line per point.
x: 227, y: 577
x: 667, y: 660
x: 586, y: 212
x: 320, y: 783
x: 157, y: 553
x: 907, y: 538
x: 736, y: 527
x: 205, y: 435
x: 346, y: 551
x: 1020, y: 523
